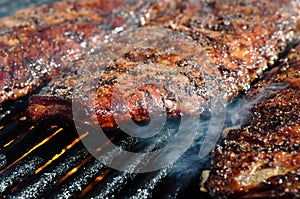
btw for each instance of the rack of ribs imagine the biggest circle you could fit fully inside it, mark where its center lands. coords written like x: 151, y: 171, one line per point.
x: 241, y: 39
x: 261, y: 159
x: 38, y: 43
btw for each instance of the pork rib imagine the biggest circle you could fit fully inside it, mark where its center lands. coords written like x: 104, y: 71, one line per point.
x: 36, y: 43
x: 262, y: 158
x: 240, y: 39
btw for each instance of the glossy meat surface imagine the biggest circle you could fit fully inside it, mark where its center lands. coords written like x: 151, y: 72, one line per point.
x: 37, y: 43
x: 238, y: 39
x: 262, y: 158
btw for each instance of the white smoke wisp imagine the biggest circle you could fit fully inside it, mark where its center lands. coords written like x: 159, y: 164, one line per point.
x: 216, y: 125
x: 241, y: 113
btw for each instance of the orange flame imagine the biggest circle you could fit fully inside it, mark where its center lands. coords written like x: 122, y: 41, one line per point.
x: 9, y: 143
x: 23, y: 118
x: 32, y: 149
x: 61, y: 153
x: 75, y: 169
x: 31, y: 128
x: 83, y: 162
x: 93, y: 184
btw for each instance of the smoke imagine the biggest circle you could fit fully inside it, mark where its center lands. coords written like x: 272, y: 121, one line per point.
x: 240, y: 108
x: 238, y: 112
x: 190, y: 164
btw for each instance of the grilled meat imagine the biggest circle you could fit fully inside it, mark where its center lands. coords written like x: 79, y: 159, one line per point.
x: 239, y: 40
x: 262, y: 158
x: 37, y: 43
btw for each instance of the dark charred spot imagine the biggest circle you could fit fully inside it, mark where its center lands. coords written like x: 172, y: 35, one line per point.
x: 209, y: 7
x: 182, y: 63
x: 48, y: 100
x: 109, y: 81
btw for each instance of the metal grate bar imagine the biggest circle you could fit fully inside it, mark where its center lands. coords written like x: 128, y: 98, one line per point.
x: 46, y: 180
x: 90, y: 174
x: 18, y: 173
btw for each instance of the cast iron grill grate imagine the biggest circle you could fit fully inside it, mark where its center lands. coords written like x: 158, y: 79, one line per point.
x: 46, y: 160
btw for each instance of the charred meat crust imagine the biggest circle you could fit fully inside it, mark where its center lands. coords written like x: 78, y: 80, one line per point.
x: 261, y: 160
x: 241, y: 39
x: 37, y: 43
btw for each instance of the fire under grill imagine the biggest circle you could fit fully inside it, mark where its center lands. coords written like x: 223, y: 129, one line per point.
x: 48, y: 160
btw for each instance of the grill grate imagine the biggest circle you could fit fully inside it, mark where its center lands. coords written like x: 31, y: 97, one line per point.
x: 48, y: 160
